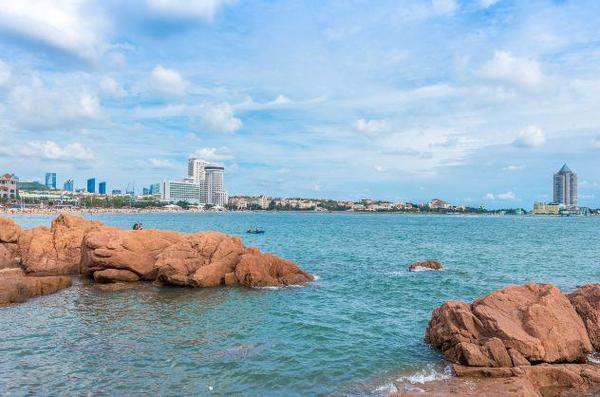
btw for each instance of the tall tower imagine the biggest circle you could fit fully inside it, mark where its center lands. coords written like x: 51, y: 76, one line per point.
x: 214, y: 185
x: 196, y: 170
x: 565, y: 187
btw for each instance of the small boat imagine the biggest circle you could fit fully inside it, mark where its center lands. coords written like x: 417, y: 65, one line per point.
x: 255, y: 231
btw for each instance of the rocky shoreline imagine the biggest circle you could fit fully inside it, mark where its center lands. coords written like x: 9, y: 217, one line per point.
x: 529, y: 341
x: 39, y: 260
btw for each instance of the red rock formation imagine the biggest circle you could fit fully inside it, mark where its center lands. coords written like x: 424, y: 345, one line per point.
x: 9, y: 237
x: 427, y: 265
x: 16, y: 287
x: 586, y: 301
x: 557, y: 380
x: 55, y: 250
x: 109, y: 255
x: 533, y: 323
x: 206, y: 259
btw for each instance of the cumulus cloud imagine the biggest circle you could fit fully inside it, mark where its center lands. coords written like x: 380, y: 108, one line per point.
x: 50, y: 150
x: 220, y: 118
x: 73, y: 27
x: 111, y: 88
x: 37, y: 107
x: 531, y: 137
x: 213, y: 154
x: 371, y: 127
x: 508, y: 196
x: 4, y: 74
x: 188, y: 9
x: 165, y: 81
x: 250, y: 104
x: 508, y: 68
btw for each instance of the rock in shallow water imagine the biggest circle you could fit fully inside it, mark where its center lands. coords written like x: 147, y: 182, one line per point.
x: 532, y: 323
x: 16, y: 287
x: 427, y: 265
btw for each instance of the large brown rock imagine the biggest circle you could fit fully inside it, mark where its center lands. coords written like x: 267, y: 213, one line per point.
x: 9, y: 236
x: 115, y: 276
x: 207, y: 259
x: 586, y: 301
x: 55, y: 250
x: 16, y: 287
x: 534, y: 323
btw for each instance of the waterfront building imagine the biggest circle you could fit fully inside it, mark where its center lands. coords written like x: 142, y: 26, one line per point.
x: 154, y: 189
x: 116, y: 192
x: 9, y: 187
x: 565, y: 187
x: 102, y: 188
x: 173, y: 191
x: 438, y: 204
x: 91, y: 185
x: 51, y: 180
x: 540, y: 208
x: 69, y: 185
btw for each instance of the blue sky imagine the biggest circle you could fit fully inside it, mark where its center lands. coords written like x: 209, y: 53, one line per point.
x: 477, y: 102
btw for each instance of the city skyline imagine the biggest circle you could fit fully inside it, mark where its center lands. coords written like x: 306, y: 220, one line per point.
x: 307, y: 99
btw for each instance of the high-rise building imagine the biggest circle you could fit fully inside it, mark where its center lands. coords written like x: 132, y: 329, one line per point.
x: 91, y: 185
x: 196, y: 170
x: 565, y: 187
x: 213, y: 186
x: 102, y: 188
x: 51, y: 180
x: 69, y: 185
x: 9, y: 187
x: 154, y: 188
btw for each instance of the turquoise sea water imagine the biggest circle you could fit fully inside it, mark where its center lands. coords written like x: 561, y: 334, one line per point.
x: 355, y: 330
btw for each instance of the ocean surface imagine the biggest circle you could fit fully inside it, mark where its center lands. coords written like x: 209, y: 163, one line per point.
x: 356, y: 331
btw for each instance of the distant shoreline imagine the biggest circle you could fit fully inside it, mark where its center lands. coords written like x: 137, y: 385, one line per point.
x: 126, y: 211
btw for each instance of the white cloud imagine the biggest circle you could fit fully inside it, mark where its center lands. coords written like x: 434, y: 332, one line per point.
x: 379, y: 168
x: 4, y: 74
x: 250, y: 104
x: 508, y: 196
x: 371, y: 127
x: 220, y: 117
x: 165, y: 81
x: 531, y: 137
x: 159, y: 163
x: 188, y: 9
x: 513, y: 167
x: 488, y: 3
x: 50, y: 150
x: 36, y: 107
x: 75, y: 27
x: 213, y: 154
x: 508, y: 68
x: 443, y: 7
x: 111, y: 88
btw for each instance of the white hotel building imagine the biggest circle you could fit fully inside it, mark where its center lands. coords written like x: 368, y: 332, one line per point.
x: 203, y: 185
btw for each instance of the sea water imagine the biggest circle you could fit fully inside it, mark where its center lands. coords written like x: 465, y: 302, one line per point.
x: 356, y: 331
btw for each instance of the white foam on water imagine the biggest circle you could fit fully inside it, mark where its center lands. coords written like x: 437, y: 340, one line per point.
x: 426, y: 269
x: 385, y: 390
x: 427, y: 375
x: 594, y: 358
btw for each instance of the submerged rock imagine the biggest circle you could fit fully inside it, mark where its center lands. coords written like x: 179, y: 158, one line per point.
x: 427, y: 265
x: 16, y: 287
x: 514, y: 326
